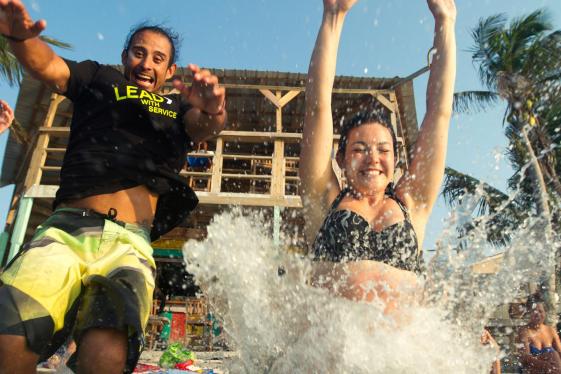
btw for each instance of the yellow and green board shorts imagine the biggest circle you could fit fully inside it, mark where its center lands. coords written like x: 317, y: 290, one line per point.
x: 79, y: 271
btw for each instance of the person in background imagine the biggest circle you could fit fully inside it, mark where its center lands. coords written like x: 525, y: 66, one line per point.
x: 539, y: 347
x: 6, y: 116
x: 488, y: 340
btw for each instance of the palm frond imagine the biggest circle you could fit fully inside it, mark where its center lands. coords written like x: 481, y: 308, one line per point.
x: 10, y: 69
x: 474, y: 101
x: 486, y: 36
x: 495, y: 212
x: 457, y: 185
x: 55, y: 42
x: 544, y: 58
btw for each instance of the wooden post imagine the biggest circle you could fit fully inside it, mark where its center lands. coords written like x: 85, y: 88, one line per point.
x: 20, y: 227
x: 276, y: 225
x: 278, y: 167
x: 33, y: 177
x: 217, y: 160
x: 398, y: 128
x: 278, y: 162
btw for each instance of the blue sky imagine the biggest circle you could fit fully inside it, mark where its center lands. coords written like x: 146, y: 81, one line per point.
x: 380, y: 39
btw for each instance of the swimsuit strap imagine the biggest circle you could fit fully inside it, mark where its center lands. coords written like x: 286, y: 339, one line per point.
x: 338, y: 199
x: 401, y: 206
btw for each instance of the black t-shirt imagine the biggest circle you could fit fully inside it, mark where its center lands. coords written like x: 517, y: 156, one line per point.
x: 123, y: 136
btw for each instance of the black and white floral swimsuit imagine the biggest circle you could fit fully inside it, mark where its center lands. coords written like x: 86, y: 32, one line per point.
x: 347, y: 236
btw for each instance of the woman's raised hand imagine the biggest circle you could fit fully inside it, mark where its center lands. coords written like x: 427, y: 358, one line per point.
x: 338, y: 5
x: 442, y: 9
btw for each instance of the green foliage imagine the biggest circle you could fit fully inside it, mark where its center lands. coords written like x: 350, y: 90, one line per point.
x: 10, y: 69
x: 519, y: 62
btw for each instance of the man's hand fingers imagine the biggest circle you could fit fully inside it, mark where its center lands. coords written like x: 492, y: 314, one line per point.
x: 181, y: 87
x: 212, y: 80
x: 39, y: 26
x: 219, y: 91
x: 194, y: 68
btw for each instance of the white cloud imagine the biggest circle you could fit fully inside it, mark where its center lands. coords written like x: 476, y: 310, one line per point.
x: 35, y: 6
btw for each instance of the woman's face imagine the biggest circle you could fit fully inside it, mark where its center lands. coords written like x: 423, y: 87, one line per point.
x: 369, y: 159
x: 537, y: 314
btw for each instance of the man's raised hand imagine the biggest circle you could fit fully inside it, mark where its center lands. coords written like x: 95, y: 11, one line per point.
x: 6, y: 116
x: 16, y: 23
x: 205, y: 93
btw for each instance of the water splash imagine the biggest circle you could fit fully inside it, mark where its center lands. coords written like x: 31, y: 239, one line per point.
x: 281, y: 324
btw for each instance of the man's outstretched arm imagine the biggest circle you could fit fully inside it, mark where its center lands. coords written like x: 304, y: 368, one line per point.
x: 34, y: 54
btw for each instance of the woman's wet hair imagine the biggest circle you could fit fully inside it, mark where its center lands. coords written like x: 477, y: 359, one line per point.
x: 533, y: 301
x: 171, y: 35
x: 372, y: 112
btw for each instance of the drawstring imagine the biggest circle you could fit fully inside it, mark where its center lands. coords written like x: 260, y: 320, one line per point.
x: 111, y: 214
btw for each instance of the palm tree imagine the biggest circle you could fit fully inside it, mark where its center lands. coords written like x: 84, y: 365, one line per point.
x: 518, y: 62
x: 12, y: 72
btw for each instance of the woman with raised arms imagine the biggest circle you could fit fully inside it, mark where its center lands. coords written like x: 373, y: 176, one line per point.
x: 368, y: 234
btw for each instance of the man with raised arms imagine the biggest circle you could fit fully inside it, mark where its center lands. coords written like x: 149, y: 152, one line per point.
x: 89, y: 268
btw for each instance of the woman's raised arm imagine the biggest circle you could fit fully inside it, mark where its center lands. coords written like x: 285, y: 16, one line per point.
x: 318, y: 182
x: 420, y: 185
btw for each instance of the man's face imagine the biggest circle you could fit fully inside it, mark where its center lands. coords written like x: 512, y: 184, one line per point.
x: 147, y: 62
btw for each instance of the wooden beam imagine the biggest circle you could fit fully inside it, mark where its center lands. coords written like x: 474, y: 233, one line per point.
x: 258, y: 87
x: 247, y: 176
x: 243, y: 136
x: 385, y: 102
x: 55, y: 150
x: 42, y: 191
x: 50, y: 168
x: 246, y: 157
x: 187, y: 173
x: 288, y: 97
x: 55, y: 131
x: 272, y: 98
x: 245, y: 199
x: 259, y: 136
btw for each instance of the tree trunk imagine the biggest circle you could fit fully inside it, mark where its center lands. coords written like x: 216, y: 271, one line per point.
x: 540, y: 193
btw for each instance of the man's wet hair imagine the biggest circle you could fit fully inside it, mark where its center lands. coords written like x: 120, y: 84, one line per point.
x: 172, y: 36
x: 370, y: 112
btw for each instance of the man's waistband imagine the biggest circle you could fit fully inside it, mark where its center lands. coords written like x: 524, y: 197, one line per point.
x: 110, y: 216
